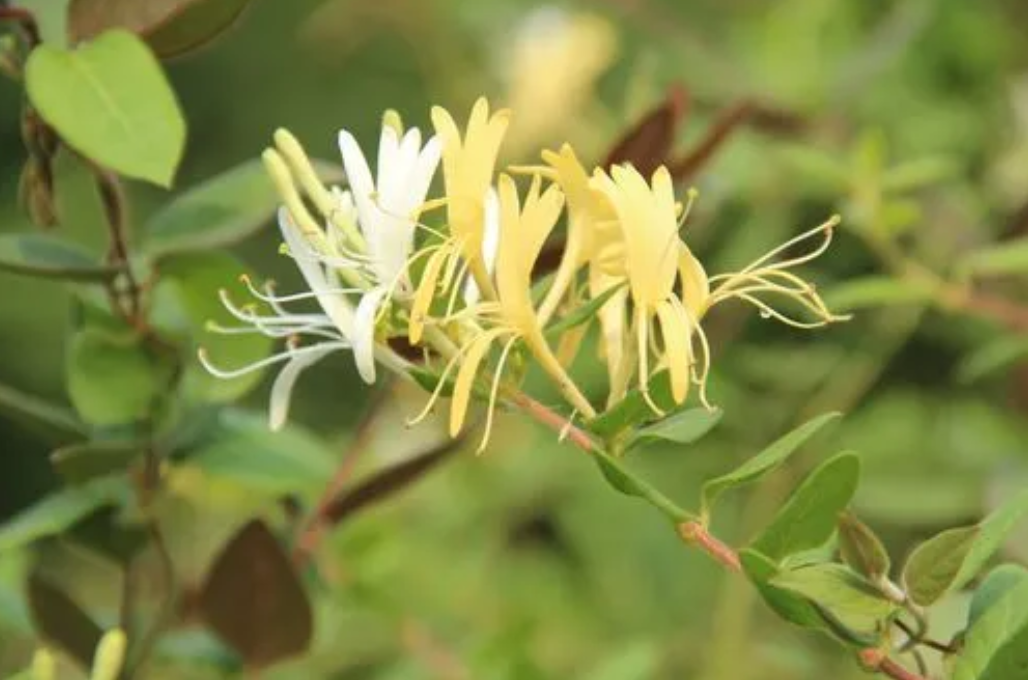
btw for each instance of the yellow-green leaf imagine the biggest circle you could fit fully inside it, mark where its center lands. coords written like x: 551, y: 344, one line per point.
x: 110, y: 101
x: 932, y: 568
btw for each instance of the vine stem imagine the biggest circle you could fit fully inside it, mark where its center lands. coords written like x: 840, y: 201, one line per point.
x: 692, y: 532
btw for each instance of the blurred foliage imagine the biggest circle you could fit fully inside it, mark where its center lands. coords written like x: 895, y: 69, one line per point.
x: 908, y: 117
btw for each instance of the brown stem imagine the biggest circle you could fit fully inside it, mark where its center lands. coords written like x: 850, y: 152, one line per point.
x: 941, y: 647
x: 27, y: 21
x: 877, y: 660
x: 684, y: 167
x: 311, y: 530
x: 554, y: 421
x: 694, y: 533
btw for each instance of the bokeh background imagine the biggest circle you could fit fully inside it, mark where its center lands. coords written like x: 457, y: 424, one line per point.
x: 521, y: 563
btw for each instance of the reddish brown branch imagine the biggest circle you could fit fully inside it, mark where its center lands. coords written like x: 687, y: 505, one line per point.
x: 697, y: 535
x: 554, y: 421
x: 877, y: 660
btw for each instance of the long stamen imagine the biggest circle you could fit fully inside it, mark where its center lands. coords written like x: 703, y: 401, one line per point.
x: 494, y: 392
x: 827, y: 228
x: 769, y: 312
x: 434, y: 397
x: 289, y: 353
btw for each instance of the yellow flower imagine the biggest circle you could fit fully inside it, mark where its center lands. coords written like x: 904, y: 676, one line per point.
x: 468, y: 166
x: 654, y: 258
x: 511, y: 315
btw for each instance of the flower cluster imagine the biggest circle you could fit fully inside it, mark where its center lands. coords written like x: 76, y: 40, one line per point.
x: 461, y: 285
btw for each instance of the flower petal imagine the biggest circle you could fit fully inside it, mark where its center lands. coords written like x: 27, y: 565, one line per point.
x: 364, y: 333
x: 282, y: 388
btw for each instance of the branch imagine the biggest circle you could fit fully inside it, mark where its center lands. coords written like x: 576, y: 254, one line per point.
x: 877, y: 660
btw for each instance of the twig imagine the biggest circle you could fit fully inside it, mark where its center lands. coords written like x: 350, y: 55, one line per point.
x: 877, y: 660
x: 554, y: 421
x: 694, y: 533
x: 921, y: 640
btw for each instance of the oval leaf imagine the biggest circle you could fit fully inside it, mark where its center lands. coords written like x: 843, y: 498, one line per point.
x: 112, y: 380
x: 52, y: 258
x: 109, y: 100
x: 195, y: 26
x: 851, y: 601
x: 685, y: 427
x: 89, y: 18
x: 82, y: 462
x: 932, y: 568
x: 996, y: 626
x: 994, y: 530
x: 861, y: 548
x: 764, y: 462
x: 254, y: 600
x: 1000, y: 580
x: 790, y: 606
x: 808, y: 518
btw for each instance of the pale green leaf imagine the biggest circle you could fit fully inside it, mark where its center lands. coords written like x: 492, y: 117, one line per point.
x: 994, y: 530
x: 861, y: 548
x: 684, y: 427
x: 1000, y: 580
x: 994, y: 628
x: 110, y: 101
x: 764, y: 462
x: 932, y: 568
x: 851, y: 601
x: 760, y: 570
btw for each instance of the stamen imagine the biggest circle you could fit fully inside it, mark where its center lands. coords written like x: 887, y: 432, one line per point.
x: 494, y: 391
x: 289, y: 353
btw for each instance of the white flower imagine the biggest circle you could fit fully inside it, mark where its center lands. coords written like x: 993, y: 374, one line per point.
x: 332, y: 329
x: 387, y: 213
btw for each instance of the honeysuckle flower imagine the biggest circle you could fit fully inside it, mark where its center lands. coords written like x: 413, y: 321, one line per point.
x: 468, y: 166
x: 331, y: 329
x: 387, y: 212
x: 647, y: 214
x: 511, y: 316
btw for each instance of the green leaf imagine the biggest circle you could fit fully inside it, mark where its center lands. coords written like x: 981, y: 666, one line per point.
x: 842, y: 593
x: 82, y: 462
x: 764, y: 462
x: 861, y: 548
x: 196, y: 26
x: 58, y: 511
x: 1008, y: 257
x: 187, y: 301
x: 616, y: 476
x: 633, y: 409
x: 57, y: 420
x: 1010, y: 662
x: 110, y: 101
x: 999, y: 624
x: 791, y: 607
x: 243, y: 450
x: 684, y: 427
x: 994, y: 530
x: 62, y: 622
x: 583, y: 314
x: 52, y: 258
x: 263, y: 629
x: 808, y: 518
x: 113, y: 380
x: 933, y: 566
x: 876, y: 291
x: 991, y: 357
x: 999, y: 581
x: 220, y: 211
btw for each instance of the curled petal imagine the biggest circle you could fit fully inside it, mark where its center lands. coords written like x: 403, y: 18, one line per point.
x: 364, y: 333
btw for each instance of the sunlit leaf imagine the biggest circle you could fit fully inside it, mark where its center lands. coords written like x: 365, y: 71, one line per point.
x: 790, y: 606
x: 582, y: 314
x: 841, y: 592
x: 994, y: 530
x: 933, y: 566
x: 808, y: 518
x: 254, y: 601
x: 109, y: 100
x: 51, y: 257
x: 764, y: 462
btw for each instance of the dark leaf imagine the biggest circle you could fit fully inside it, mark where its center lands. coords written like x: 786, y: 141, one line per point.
x: 254, y: 600
x: 861, y: 548
x: 807, y: 519
x: 62, y: 622
x: 648, y: 144
x: 79, y: 463
x: 200, y: 23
